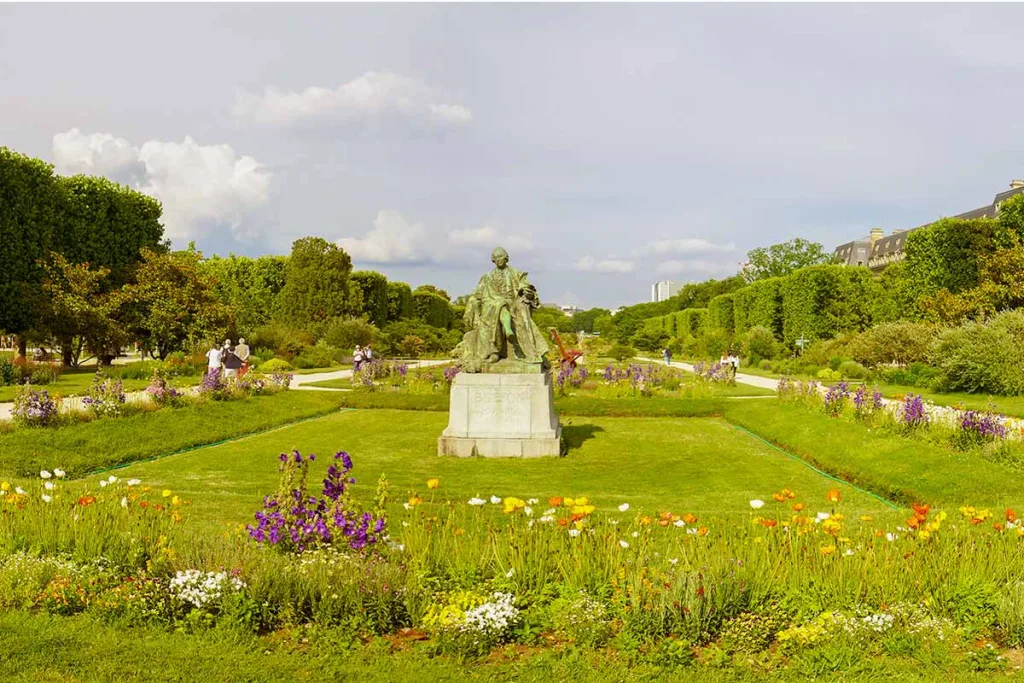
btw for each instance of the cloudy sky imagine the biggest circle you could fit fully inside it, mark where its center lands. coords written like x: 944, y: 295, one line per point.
x: 605, y: 146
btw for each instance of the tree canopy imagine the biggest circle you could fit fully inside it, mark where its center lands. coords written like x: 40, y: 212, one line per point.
x: 782, y: 259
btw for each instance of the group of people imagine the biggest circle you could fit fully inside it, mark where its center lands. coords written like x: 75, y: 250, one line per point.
x: 232, y: 360
x: 362, y: 354
x: 731, y: 361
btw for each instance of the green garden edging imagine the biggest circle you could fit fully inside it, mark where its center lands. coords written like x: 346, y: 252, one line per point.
x: 815, y: 469
x: 216, y: 443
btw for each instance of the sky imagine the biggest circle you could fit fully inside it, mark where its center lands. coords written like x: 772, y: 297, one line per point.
x: 605, y: 146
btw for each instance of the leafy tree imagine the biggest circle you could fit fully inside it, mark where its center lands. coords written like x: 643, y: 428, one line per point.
x: 583, y: 321
x: 431, y: 308
x: 434, y: 290
x: 318, y: 284
x: 81, y: 312
x: 173, y: 303
x: 782, y: 259
x: 374, y: 289
x: 346, y: 334
x: 1000, y: 288
x: 29, y: 211
x: 399, y: 302
x: 249, y: 285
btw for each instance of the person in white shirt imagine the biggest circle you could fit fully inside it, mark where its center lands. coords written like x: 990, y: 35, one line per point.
x: 357, y: 358
x: 213, y: 358
x: 734, y: 361
x: 367, y: 353
x: 242, y: 351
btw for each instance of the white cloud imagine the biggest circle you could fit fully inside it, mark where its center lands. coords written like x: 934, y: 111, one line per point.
x: 588, y: 264
x: 199, y: 185
x: 392, y: 239
x: 490, y: 237
x: 687, y: 245
x: 367, y: 100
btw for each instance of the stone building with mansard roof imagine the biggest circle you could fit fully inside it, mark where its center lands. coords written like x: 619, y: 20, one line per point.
x: 879, y: 251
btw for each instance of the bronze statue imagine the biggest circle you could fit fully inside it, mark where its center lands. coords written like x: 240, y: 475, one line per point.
x: 502, y: 336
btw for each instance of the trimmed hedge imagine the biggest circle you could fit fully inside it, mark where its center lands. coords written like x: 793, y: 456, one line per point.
x: 654, y: 325
x: 691, y: 322
x: 432, y: 309
x: 819, y: 302
x: 720, y: 313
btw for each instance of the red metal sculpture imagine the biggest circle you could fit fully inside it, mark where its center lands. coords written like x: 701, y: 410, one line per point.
x: 568, y: 356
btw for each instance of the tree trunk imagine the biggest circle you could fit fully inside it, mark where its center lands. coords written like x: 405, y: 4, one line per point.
x: 22, y: 346
x: 67, y: 352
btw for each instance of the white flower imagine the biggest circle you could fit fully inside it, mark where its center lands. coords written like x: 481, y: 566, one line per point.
x: 510, y: 573
x: 49, y: 485
x: 134, y: 482
x: 636, y: 534
x: 849, y: 551
x: 124, y: 502
x: 476, y: 501
x: 673, y: 560
x: 757, y: 504
x: 574, y: 532
x: 691, y: 531
x: 890, y: 536
x: 60, y: 473
x: 623, y: 507
x: 103, y: 482
x: 47, y: 499
x: 407, y: 506
x: 547, y: 519
x: 532, y: 501
x: 495, y: 500
x: 822, y: 516
x: 528, y: 511
x: 111, y: 478
x: 45, y: 474
x: 613, y: 522
x: 550, y: 511
x: 679, y: 522
x: 20, y: 491
x: 623, y: 544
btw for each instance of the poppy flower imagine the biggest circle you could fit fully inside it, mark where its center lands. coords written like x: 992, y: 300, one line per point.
x: 433, y: 483
x: 799, y: 507
x: 555, y: 501
x: 779, y: 497
x: 834, y: 496
x: 689, y: 518
x: 769, y: 523
x: 1010, y: 515
x: 703, y: 531
x: 86, y: 500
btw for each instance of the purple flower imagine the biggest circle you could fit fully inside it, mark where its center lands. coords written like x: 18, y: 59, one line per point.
x: 913, y: 413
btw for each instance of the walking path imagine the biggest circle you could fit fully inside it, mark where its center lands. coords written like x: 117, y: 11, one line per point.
x: 298, y: 382
x: 752, y: 380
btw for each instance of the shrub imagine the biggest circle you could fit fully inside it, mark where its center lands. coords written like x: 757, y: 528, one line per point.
x: 137, y: 370
x: 6, y: 371
x: 720, y: 313
x: 275, y: 365
x: 983, y: 357
x: 767, y: 365
x: 851, y: 369
x: 322, y: 355
x: 347, y: 333
x: 34, y: 408
x: 759, y: 344
x: 647, y: 340
x: 713, y: 343
x: 621, y: 352
x: 893, y: 343
x: 106, y: 396
x: 828, y: 375
x: 286, y: 340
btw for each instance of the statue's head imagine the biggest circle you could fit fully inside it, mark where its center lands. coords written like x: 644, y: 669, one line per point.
x: 499, y: 257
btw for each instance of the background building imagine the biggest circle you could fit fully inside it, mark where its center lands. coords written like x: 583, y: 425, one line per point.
x: 666, y: 289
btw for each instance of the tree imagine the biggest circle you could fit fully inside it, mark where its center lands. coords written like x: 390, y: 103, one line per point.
x: 249, y: 285
x: 434, y: 290
x: 318, y: 284
x: 782, y: 259
x: 29, y: 210
x: 374, y: 290
x: 1000, y: 288
x: 400, y: 305
x: 81, y: 311
x: 432, y: 308
x: 173, y: 303
x: 584, y: 321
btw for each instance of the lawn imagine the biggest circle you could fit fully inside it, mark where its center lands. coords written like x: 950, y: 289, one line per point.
x: 699, y: 465
x: 75, y: 383
x: 81, y: 448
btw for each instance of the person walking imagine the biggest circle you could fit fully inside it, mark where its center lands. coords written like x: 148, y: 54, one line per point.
x: 242, y: 351
x: 367, y: 354
x: 667, y: 355
x: 232, y: 363
x: 357, y: 358
x: 734, y: 363
x: 213, y: 360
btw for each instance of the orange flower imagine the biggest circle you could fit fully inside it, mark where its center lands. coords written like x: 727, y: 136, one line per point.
x: 158, y: 507
x: 768, y: 523
x: 555, y: 501
x: 414, y: 500
x: 86, y: 500
x: 143, y: 504
x: 788, y: 494
x: 703, y: 531
x: 459, y: 532
x: 834, y: 496
x: 1010, y: 515
x: 665, y: 515
x: 975, y: 521
x: 689, y: 518
x: 998, y: 526
x: 921, y: 511
x: 664, y: 522
x: 914, y: 522
x: 799, y: 507
x: 779, y: 497
x: 564, y: 521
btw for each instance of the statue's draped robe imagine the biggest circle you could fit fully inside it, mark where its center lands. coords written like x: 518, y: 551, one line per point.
x: 497, y: 290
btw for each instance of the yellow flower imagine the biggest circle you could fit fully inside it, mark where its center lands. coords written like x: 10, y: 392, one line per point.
x: 175, y: 501
x: 433, y: 483
x: 6, y: 486
x: 414, y: 500
x: 582, y: 501
x: 866, y: 518
x: 166, y: 493
x: 827, y: 549
x: 512, y: 504
x: 831, y: 527
x: 568, y: 502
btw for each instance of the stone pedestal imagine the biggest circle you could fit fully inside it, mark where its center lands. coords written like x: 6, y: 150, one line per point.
x: 501, y: 416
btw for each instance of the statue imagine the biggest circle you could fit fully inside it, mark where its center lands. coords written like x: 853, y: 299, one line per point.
x: 502, y: 336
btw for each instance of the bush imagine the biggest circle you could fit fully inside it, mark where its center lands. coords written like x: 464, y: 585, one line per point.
x: 286, y: 340
x: 347, y: 333
x: 275, y: 365
x: 828, y: 375
x: 897, y: 343
x: 322, y: 355
x: 712, y: 343
x: 759, y: 344
x: 621, y: 352
x: 983, y: 357
x: 647, y: 340
x: 851, y: 369
x: 767, y: 365
x: 6, y: 371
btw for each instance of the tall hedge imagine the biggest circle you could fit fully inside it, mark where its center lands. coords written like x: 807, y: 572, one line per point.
x: 400, y: 301
x: 432, y: 309
x: 654, y: 325
x: 691, y: 322
x: 821, y: 301
x: 374, y: 288
x: 764, y: 305
x: 720, y: 313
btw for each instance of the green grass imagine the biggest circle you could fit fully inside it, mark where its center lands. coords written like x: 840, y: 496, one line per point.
x: 45, y: 648
x: 564, y: 405
x: 699, y: 465
x: 72, y: 383
x: 80, y: 448
x: 314, y: 371
x: 900, y: 468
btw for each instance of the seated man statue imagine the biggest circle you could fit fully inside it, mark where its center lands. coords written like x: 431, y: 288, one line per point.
x: 499, y: 323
